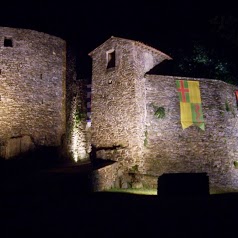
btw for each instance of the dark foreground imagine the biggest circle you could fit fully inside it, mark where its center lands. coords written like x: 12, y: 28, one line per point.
x: 59, y: 203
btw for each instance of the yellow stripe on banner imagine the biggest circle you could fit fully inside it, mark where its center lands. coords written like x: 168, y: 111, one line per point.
x: 186, y: 114
x: 194, y: 92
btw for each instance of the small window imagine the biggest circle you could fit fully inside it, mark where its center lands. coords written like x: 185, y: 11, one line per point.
x: 0, y: 71
x: 111, y: 59
x: 8, y: 42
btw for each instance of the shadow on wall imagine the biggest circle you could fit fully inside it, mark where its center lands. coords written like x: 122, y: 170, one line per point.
x: 42, y: 177
x: 40, y: 158
x: 98, y: 163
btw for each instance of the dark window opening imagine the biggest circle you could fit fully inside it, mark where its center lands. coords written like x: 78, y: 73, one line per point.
x: 111, y: 59
x: 40, y: 76
x: 8, y: 42
x: 0, y: 71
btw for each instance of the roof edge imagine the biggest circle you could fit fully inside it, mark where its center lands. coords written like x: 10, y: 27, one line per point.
x: 141, y: 44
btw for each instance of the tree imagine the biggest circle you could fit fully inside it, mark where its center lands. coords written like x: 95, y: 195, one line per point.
x: 210, y: 54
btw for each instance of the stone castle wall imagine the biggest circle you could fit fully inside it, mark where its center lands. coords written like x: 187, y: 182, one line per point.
x: 125, y: 129
x: 170, y: 149
x: 167, y: 148
x: 114, y: 110
x: 118, y: 101
x: 32, y: 89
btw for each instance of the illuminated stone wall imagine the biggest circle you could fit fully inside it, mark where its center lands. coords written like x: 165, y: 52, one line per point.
x: 32, y: 89
x: 171, y: 149
x: 118, y: 100
x: 78, y: 130
x: 125, y: 129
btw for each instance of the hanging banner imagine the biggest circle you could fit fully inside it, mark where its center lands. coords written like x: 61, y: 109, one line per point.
x: 190, y: 103
x: 236, y: 93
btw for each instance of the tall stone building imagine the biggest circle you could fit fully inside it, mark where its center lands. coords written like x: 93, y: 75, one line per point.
x: 37, y: 82
x: 126, y: 129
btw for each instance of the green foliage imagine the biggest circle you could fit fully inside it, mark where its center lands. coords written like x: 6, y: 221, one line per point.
x: 236, y: 164
x: 146, y: 138
x: 203, y: 61
x: 201, y: 58
x: 159, y: 112
x: 79, y: 116
x: 134, y: 168
x: 143, y: 191
x: 227, y: 106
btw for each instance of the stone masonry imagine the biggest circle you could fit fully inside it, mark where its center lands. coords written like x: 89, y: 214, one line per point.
x: 32, y: 90
x: 126, y: 130
x: 42, y: 104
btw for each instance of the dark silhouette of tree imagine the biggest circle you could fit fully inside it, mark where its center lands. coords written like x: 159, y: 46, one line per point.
x: 211, y: 53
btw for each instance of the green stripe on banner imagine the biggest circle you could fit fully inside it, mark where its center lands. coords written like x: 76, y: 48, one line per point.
x: 177, y: 83
x: 197, y: 113
x: 187, y: 97
x: 185, y: 83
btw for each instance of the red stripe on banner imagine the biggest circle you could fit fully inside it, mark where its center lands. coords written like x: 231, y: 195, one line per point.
x: 183, y: 91
x: 236, y: 93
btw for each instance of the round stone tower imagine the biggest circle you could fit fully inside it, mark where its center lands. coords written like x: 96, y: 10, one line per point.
x: 32, y: 90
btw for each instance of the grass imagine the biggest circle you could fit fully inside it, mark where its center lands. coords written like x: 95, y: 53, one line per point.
x: 214, y: 191
x: 142, y: 191
x: 150, y: 191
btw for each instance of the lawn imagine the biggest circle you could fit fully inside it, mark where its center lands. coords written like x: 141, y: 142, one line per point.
x: 142, y: 191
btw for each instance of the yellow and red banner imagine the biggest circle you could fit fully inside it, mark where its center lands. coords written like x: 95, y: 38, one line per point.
x: 236, y: 93
x: 190, y: 103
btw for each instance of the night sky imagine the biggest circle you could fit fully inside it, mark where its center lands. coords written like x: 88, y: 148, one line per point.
x: 85, y: 25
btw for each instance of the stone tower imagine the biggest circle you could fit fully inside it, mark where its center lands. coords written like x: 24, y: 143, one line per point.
x: 118, y: 99
x: 32, y: 90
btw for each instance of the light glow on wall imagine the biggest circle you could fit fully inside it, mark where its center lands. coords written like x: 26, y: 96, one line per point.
x: 78, y: 140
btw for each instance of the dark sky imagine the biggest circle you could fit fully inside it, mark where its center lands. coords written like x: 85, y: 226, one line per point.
x: 160, y: 24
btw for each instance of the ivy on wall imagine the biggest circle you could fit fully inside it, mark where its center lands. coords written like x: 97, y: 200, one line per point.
x: 134, y: 169
x: 229, y: 108
x: 159, y: 112
x: 79, y: 116
x: 146, y: 138
x: 236, y: 164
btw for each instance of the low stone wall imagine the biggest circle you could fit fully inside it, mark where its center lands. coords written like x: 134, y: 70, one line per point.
x: 104, y: 178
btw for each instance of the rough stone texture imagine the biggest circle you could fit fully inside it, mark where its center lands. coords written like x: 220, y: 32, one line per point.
x: 118, y: 101
x: 125, y: 129
x: 76, y: 144
x: 77, y: 141
x: 32, y: 88
x: 171, y: 149
x: 18, y: 145
x: 104, y: 178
